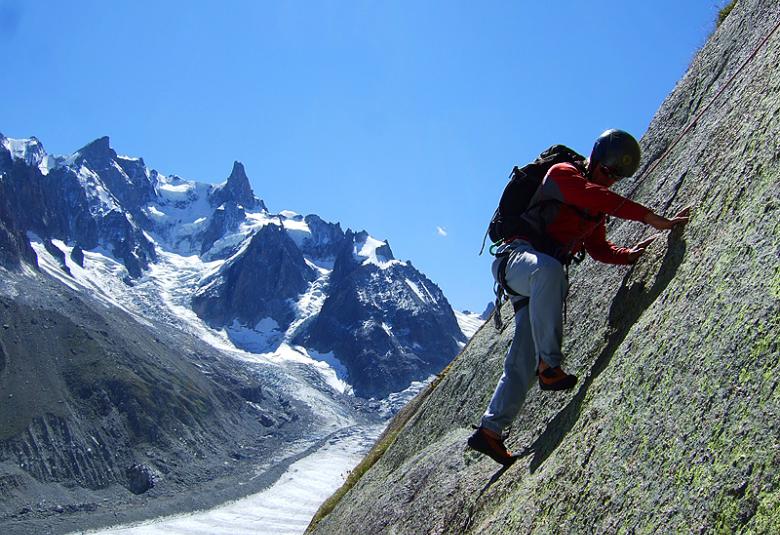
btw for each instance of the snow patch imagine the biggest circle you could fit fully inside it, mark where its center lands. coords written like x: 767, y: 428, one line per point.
x: 310, y: 303
x: 121, y: 171
x: 297, y: 229
x: 262, y: 338
x: 368, y: 252
x: 49, y: 264
x: 469, y: 323
x: 340, y: 384
x: 101, y: 276
x: 175, y: 192
x: 179, y: 214
x: 424, y: 294
x: 95, y: 191
x: 388, y: 329
x: 154, y: 212
x: 326, y: 364
x: 30, y: 151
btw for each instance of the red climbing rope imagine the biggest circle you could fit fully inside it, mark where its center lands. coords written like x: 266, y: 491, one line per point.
x: 691, y: 124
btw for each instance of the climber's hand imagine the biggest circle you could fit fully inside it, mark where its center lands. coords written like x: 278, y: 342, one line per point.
x: 661, y: 223
x: 638, y: 250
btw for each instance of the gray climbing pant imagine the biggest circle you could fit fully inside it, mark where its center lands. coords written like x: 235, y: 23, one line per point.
x: 538, y: 328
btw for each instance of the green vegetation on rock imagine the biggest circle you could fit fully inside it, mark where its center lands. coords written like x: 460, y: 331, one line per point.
x: 725, y: 10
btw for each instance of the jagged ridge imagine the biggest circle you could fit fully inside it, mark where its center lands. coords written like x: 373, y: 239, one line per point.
x: 273, y: 272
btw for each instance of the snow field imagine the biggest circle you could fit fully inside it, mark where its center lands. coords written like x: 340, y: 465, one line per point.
x: 285, y: 508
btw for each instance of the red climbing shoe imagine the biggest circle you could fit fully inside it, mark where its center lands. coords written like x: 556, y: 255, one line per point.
x: 493, y: 447
x: 556, y: 379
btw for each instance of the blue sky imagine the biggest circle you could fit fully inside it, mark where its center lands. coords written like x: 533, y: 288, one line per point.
x: 398, y: 117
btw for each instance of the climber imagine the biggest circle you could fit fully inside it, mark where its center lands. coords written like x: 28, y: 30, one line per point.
x: 565, y: 217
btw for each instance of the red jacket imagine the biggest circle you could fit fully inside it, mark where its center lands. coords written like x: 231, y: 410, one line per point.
x: 576, y: 220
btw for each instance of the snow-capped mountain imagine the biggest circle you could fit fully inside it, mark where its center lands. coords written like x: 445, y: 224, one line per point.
x: 162, y: 337
x: 270, y: 283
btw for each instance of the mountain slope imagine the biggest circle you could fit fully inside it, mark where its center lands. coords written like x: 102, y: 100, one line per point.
x: 388, y: 324
x: 104, y: 414
x: 673, y: 427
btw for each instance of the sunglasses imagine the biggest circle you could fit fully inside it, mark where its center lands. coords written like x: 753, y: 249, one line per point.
x: 611, y: 174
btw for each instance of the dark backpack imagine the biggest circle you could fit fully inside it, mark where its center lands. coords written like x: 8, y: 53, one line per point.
x: 523, y: 183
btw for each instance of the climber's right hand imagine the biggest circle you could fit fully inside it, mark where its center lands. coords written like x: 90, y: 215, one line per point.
x: 661, y: 223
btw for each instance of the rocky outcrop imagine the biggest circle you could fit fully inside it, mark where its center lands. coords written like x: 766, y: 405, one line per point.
x: 124, y: 177
x: 236, y: 190
x: 326, y: 239
x: 14, y: 246
x: 488, y: 311
x: 256, y: 283
x: 77, y: 255
x: 140, y: 478
x: 673, y: 426
x: 73, y: 203
x: 226, y: 218
x: 58, y: 254
x: 387, y: 323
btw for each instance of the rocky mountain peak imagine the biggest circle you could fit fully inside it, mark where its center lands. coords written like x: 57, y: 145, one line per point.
x: 257, y: 283
x: 237, y: 190
x: 384, y: 251
x: 278, y: 271
x: 488, y: 311
x: 238, y: 175
x: 125, y: 178
x: 366, y: 246
x: 28, y: 150
x: 98, y: 150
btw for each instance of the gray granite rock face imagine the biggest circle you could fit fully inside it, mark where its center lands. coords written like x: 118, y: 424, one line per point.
x: 226, y: 218
x: 388, y: 325
x: 126, y: 178
x: 67, y: 203
x: 326, y: 238
x: 14, y: 246
x: 674, y: 424
x: 257, y: 283
x: 236, y: 190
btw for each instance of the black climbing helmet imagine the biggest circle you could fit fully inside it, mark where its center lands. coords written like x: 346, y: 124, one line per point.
x: 618, y: 151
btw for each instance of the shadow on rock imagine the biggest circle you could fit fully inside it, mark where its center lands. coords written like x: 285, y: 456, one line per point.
x: 629, y: 304
x: 469, y: 520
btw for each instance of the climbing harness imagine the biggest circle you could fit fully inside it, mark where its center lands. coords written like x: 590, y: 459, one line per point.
x: 503, y: 291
